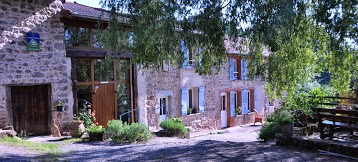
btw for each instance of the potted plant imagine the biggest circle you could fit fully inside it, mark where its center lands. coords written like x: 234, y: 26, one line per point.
x: 59, y: 105
x: 76, y: 127
x: 238, y: 110
x: 285, y: 119
x: 190, y: 110
x: 95, y: 132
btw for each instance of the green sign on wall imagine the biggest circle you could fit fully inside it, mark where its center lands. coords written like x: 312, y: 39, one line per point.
x: 33, y: 41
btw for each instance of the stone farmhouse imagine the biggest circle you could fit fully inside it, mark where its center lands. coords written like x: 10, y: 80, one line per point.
x: 41, y: 66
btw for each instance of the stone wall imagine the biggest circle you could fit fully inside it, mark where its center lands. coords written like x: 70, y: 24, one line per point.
x: 18, y: 66
x: 157, y: 83
x: 151, y: 82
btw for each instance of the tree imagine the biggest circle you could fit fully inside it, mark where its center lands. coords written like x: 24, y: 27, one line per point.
x: 305, y: 37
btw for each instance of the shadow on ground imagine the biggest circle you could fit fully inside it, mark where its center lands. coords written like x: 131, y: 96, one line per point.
x: 207, y: 150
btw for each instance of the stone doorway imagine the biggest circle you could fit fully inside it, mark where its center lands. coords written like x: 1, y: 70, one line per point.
x: 31, y: 107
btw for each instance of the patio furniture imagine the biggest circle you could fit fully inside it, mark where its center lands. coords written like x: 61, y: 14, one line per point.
x: 336, y: 119
x: 258, y: 117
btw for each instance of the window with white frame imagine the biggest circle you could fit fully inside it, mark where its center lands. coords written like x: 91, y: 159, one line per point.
x: 166, y: 65
x: 238, y: 69
x: 192, y: 100
x: 192, y: 55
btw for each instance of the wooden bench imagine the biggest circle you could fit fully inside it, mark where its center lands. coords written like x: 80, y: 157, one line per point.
x: 335, y: 119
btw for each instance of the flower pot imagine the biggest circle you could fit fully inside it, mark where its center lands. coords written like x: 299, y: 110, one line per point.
x: 287, y: 129
x: 76, y: 128
x: 95, y: 136
x: 60, y: 108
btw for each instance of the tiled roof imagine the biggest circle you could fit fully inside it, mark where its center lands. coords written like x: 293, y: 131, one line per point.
x: 82, y: 10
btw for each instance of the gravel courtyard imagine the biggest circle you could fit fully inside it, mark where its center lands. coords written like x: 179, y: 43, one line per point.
x: 234, y: 144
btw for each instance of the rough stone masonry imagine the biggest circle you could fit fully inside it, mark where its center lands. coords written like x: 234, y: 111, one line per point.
x: 18, y: 66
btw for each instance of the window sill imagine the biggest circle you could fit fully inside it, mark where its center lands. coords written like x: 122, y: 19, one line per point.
x: 241, y: 80
x: 188, y: 67
x: 193, y: 114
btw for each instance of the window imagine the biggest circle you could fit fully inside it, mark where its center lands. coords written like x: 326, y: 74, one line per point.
x: 190, y: 54
x: 234, y: 69
x: 238, y: 69
x: 163, y: 105
x: 166, y: 65
x: 192, y: 100
x: 223, y: 103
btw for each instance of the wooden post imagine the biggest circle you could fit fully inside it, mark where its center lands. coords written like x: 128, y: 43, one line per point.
x: 131, y: 92
x: 74, y: 85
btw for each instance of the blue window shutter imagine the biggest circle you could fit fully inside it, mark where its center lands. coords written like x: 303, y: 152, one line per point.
x: 231, y: 71
x: 185, y: 51
x: 201, y: 98
x: 232, y: 103
x: 184, y: 101
x: 244, y: 97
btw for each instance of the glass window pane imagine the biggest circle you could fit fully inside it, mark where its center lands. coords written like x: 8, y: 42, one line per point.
x: 83, y: 70
x: 103, y: 70
x: 98, y: 37
x: 123, y: 101
x: 75, y: 36
x: 84, y: 94
x: 122, y: 69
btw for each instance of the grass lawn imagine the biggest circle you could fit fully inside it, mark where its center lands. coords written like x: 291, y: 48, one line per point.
x: 48, y: 148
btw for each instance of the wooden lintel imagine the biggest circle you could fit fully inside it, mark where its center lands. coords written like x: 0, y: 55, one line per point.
x: 90, y: 52
x: 84, y: 23
x: 85, y: 53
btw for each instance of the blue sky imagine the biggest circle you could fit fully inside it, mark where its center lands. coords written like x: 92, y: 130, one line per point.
x: 92, y: 3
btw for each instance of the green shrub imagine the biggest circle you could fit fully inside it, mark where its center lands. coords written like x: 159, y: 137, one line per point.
x: 138, y: 133
x: 269, y: 130
x: 86, y: 117
x: 122, y: 133
x: 274, y: 122
x: 284, y: 117
x: 280, y: 116
x: 174, y: 127
x: 95, y: 129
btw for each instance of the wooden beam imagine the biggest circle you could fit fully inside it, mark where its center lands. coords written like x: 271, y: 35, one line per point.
x: 85, y: 54
x: 96, y: 53
x: 84, y: 23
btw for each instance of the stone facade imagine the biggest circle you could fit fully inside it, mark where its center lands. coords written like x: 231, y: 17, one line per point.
x: 18, y: 66
x: 153, y: 83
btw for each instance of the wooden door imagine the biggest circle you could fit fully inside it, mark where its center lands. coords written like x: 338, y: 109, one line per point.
x: 104, y: 103
x: 30, y: 109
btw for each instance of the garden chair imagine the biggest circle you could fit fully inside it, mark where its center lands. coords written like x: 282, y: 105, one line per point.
x: 258, y: 117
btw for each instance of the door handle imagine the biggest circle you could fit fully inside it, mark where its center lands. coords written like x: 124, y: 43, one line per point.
x: 95, y: 89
